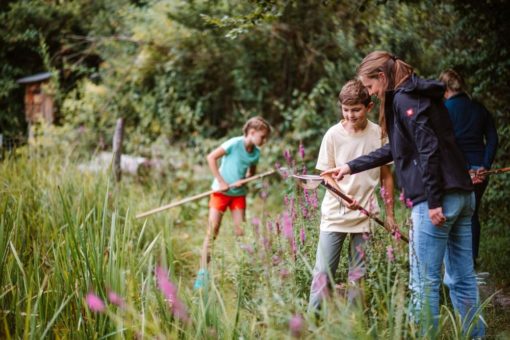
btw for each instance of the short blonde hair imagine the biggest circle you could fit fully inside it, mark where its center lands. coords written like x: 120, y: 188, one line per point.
x: 257, y: 123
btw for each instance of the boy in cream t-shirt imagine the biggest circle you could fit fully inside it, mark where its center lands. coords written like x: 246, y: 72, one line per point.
x: 353, y: 136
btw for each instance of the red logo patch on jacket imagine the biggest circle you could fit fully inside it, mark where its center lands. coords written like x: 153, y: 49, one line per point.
x: 410, y: 112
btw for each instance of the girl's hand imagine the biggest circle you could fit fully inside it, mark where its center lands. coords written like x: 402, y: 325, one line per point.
x: 236, y: 184
x: 338, y: 173
x: 437, y: 217
x: 223, y: 186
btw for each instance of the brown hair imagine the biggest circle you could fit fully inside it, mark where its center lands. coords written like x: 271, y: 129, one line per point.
x: 353, y: 93
x: 452, y: 80
x: 257, y: 123
x: 395, y: 70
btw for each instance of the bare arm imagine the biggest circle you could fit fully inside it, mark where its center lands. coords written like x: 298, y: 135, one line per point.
x: 212, y: 160
x: 388, y: 184
x: 252, y: 170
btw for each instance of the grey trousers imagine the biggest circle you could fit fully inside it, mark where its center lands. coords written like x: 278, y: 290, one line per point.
x: 326, y: 264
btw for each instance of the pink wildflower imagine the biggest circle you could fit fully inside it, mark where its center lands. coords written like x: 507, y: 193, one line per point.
x: 320, y: 284
x: 264, y: 194
x: 360, y: 251
x: 288, y: 231
x: 169, y: 290
x: 366, y: 236
x: 115, y: 299
x: 255, y: 221
x: 276, y: 260
x: 287, y: 156
x: 301, y: 150
x: 247, y: 248
x: 284, y: 273
x: 302, y: 236
x: 304, y: 171
x: 409, y: 203
x: 296, y: 325
x: 304, y: 211
x: 355, y: 274
x: 386, y: 196
x: 95, y: 303
x: 389, y: 253
x: 396, y: 235
x: 401, y: 197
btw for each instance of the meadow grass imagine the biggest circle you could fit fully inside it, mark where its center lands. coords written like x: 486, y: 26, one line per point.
x: 65, y: 234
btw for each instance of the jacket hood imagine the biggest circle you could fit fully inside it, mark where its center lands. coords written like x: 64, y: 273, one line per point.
x: 426, y: 87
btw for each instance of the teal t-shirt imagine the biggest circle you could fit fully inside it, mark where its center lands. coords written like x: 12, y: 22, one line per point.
x: 235, y: 163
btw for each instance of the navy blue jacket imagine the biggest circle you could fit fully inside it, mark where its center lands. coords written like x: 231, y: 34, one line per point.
x: 422, y: 144
x: 474, y: 130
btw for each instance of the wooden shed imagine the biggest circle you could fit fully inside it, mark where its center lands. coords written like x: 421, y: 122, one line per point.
x: 38, y: 103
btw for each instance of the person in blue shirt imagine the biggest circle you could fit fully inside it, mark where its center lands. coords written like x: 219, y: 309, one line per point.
x: 476, y: 137
x: 239, y: 157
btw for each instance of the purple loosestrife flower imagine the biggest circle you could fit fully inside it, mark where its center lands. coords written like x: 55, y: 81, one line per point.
x: 396, y: 235
x: 360, y: 251
x: 389, y: 253
x: 247, y: 248
x: 320, y: 284
x: 169, y: 290
x: 409, y: 203
x: 296, y: 325
x: 401, y: 197
x: 314, y: 200
x: 255, y: 222
x: 284, y: 273
x: 304, y: 211
x: 287, y: 156
x: 269, y: 227
x: 301, y: 150
x: 386, y: 196
x: 115, y: 299
x: 302, y: 236
x: 276, y: 260
x: 355, y: 274
x: 95, y: 303
x: 304, y: 171
x: 366, y: 236
x: 286, y: 200
x: 288, y: 230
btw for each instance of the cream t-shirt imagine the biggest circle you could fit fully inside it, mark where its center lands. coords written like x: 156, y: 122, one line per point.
x: 338, y: 147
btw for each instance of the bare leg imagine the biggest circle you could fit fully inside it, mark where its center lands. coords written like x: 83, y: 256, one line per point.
x: 213, y: 228
x: 238, y: 216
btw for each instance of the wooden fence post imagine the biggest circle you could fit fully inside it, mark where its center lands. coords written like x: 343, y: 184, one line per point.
x: 117, y: 148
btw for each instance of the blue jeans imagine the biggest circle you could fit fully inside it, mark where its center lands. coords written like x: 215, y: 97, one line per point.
x: 451, y: 244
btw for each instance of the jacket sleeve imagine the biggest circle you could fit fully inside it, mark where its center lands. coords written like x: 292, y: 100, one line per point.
x: 374, y: 159
x: 414, y: 113
x: 491, y: 142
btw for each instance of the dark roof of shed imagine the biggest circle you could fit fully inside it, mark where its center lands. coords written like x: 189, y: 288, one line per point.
x: 34, y: 78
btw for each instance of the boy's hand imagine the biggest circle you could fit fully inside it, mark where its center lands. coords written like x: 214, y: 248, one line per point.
x: 354, y: 205
x: 338, y: 173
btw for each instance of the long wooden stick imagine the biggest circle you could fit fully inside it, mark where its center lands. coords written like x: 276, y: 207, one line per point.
x: 204, y: 194
x: 495, y: 171
x: 363, y: 210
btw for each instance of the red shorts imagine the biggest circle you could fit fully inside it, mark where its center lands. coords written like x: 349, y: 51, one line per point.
x: 221, y: 202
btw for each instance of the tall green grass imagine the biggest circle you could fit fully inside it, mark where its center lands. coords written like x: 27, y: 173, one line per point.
x: 64, y: 233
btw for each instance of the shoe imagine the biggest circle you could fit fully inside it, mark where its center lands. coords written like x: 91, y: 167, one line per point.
x: 201, y: 280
